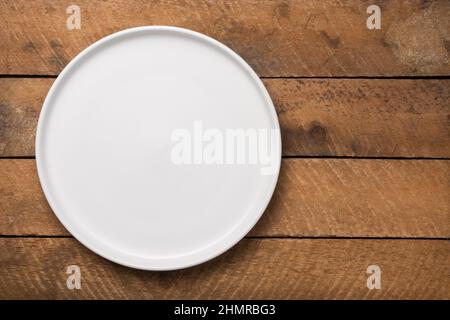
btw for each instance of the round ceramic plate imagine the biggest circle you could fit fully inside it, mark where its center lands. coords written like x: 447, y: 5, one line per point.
x: 158, y: 148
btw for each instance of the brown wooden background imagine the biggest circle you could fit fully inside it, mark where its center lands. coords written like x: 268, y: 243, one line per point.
x: 365, y: 118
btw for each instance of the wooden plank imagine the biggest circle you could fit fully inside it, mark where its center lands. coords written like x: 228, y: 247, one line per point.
x: 314, y: 198
x: 254, y: 269
x: 329, y: 117
x: 360, y: 198
x: 365, y: 118
x: 277, y: 38
x: 20, y: 105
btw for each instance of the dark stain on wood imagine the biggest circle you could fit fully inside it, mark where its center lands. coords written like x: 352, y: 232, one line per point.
x: 332, y: 42
x: 317, y: 133
x: 5, y: 117
x: 424, y: 4
x: 58, y: 58
x: 29, y: 47
x: 283, y: 9
x: 447, y: 45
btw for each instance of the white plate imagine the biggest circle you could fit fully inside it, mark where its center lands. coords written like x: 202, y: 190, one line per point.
x: 113, y: 142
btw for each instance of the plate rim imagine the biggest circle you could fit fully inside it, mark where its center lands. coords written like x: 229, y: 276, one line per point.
x: 258, y: 210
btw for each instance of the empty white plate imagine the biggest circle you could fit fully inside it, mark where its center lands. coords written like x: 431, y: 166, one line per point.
x: 158, y: 148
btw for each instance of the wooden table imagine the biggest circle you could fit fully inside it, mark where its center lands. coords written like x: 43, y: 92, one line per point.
x: 365, y: 118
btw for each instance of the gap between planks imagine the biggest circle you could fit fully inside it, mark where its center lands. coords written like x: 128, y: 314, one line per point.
x: 289, y: 157
x: 49, y: 236
x: 431, y: 77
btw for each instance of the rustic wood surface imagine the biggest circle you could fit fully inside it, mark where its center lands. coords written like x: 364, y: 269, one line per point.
x: 254, y: 269
x: 277, y: 38
x: 314, y: 198
x: 365, y: 118
x: 326, y: 117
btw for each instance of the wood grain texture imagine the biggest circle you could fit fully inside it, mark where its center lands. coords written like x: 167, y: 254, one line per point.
x: 254, y: 269
x: 365, y: 118
x: 332, y: 117
x: 314, y: 197
x: 360, y: 198
x: 20, y: 104
x: 277, y: 38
